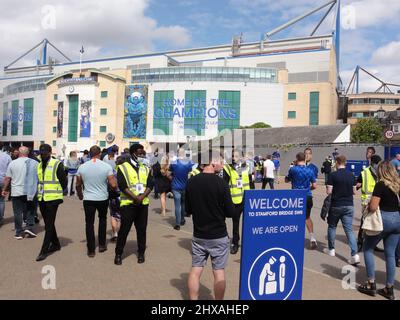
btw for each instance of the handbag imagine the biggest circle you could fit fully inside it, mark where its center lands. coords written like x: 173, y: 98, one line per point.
x: 373, y: 224
x: 326, y: 207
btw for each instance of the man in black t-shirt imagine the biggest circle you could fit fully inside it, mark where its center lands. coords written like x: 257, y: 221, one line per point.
x: 342, y: 186
x: 208, y: 200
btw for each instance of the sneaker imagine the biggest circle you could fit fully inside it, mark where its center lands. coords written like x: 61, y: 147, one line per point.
x: 177, y: 228
x: 329, y: 252
x: 354, y: 260
x: 30, y: 233
x: 183, y: 222
x: 18, y: 237
x: 387, y: 293
x: 114, y: 239
x: 313, y: 244
x: 368, y: 288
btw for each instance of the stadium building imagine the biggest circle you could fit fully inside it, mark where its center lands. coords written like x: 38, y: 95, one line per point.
x: 175, y: 96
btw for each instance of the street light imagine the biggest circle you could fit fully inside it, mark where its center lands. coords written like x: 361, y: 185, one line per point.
x: 381, y: 113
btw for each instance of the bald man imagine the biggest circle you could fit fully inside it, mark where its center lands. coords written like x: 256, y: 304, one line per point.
x: 16, y: 176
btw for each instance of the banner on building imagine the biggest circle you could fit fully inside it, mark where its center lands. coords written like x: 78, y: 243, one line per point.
x: 85, y: 121
x: 135, y: 115
x: 60, y: 119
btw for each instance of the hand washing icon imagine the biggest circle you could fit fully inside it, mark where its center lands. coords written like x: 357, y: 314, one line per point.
x: 268, y: 284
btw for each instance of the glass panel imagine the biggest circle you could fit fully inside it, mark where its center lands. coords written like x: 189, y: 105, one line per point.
x: 28, y: 117
x: 73, y: 118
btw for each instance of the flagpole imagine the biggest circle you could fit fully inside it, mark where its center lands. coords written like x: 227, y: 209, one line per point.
x: 80, y: 64
x: 80, y: 61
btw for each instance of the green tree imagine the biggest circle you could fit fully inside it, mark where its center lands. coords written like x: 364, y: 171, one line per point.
x: 258, y: 125
x: 367, y: 131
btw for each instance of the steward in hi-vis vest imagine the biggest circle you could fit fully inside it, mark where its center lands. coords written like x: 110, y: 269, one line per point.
x: 195, y: 172
x: 135, y: 183
x: 238, y: 179
x: 366, y: 182
x: 52, y: 182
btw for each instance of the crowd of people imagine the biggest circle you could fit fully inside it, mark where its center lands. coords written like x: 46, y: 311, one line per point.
x: 209, y: 191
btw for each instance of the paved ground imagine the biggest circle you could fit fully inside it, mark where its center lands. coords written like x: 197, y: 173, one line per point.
x: 165, y: 272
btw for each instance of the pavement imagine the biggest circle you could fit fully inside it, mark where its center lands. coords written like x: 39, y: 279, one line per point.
x: 168, y: 261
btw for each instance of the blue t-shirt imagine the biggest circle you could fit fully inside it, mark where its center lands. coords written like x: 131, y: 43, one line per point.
x: 276, y: 155
x: 396, y: 164
x: 302, y: 177
x: 314, y: 169
x: 94, y: 176
x: 180, y: 171
x: 276, y: 163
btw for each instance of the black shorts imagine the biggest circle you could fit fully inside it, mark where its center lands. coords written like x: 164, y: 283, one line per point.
x: 310, y: 204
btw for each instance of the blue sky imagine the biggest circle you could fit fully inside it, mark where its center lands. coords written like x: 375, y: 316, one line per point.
x: 122, y: 27
x: 215, y: 22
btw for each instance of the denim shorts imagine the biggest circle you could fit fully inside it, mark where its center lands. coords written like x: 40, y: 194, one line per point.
x: 115, y: 209
x: 217, y: 249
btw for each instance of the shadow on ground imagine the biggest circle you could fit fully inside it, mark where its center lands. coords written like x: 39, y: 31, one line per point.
x: 182, y: 286
x: 361, y: 275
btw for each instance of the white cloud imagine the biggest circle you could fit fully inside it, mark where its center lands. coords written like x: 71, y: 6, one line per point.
x: 375, y: 12
x: 387, y: 55
x: 115, y: 28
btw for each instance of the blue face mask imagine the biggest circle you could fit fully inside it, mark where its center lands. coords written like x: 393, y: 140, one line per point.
x: 144, y: 161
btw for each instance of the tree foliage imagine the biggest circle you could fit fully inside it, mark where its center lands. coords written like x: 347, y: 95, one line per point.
x: 367, y: 131
x: 258, y: 125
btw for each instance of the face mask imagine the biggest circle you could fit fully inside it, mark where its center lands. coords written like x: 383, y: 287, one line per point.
x: 144, y: 161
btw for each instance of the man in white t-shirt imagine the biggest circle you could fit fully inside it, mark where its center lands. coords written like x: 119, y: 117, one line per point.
x: 269, y: 176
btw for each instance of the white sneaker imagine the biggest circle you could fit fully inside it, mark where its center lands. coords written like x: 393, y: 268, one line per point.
x: 354, y: 260
x: 313, y: 244
x: 331, y: 253
x: 30, y: 233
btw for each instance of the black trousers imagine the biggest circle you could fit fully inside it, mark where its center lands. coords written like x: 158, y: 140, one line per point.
x: 268, y: 181
x: 236, y: 223
x: 137, y: 215
x: 90, y: 213
x: 49, y: 214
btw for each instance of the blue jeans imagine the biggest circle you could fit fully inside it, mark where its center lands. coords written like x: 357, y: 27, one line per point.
x: 344, y: 214
x: 398, y: 252
x: 20, y: 211
x: 2, y: 207
x: 390, y: 236
x: 179, y: 201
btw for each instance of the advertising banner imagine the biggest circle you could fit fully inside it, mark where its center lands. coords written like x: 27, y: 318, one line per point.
x: 85, y: 121
x: 60, y: 119
x: 135, y: 118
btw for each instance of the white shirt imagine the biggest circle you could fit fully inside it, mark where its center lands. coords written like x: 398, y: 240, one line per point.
x: 270, y: 167
x: 17, y: 172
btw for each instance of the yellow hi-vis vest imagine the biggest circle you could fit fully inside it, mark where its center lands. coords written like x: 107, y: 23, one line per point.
x: 133, y: 179
x: 368, y: 185
x: 49, y: 187
x: 237, y: 192
x: 194, y: 173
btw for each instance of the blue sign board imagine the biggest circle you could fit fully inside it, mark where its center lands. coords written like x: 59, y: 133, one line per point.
x: 390, y: 152
x: 273, y: 245
x: 356, y: 166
